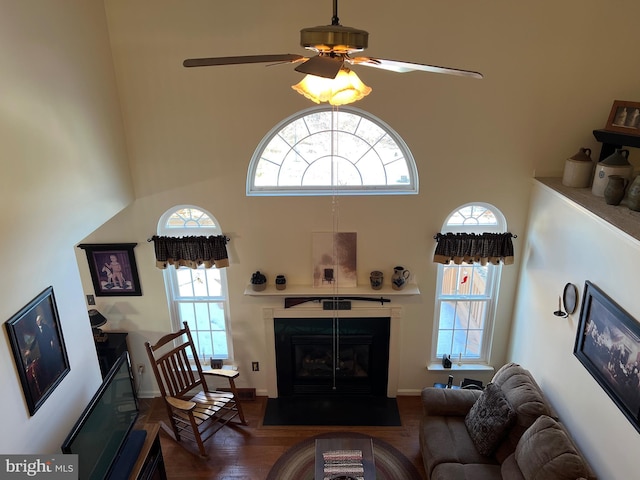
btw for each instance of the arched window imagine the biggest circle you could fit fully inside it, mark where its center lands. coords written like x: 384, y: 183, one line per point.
x: 197, y: 296
x: 466, y: 294
x: 323, y: 150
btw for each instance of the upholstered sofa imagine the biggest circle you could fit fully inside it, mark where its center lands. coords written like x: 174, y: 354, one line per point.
x: 506, y: 431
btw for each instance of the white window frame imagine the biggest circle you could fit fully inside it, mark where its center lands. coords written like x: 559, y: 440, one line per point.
x: 174, y: 298
x: 402, y: 151
x: 490, y: 297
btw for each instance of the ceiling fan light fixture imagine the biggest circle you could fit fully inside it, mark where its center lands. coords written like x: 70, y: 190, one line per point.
x: 345, y: 88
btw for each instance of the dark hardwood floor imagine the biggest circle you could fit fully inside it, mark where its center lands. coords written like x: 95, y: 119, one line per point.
x: 248, y: 453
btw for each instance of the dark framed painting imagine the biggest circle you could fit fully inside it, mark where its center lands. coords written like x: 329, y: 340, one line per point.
x: 624, y: 117
x: 608, y: 345
x: 113, y: 269
x: 38, y: 348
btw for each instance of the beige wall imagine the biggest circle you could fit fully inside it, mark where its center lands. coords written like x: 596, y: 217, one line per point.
x: 64, y: 172
x: 568, y: 244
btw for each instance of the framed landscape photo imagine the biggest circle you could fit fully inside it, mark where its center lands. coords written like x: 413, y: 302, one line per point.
x: 38, y: 348
x: 608, y: 345
x: 624, y: 117
x: 113, y: 269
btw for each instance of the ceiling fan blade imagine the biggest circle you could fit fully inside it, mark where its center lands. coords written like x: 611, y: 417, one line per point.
x: 215, y: 61
x: 403, y: 67
x: 321, y: 66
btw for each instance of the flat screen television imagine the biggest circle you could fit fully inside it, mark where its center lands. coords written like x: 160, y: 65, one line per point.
x: 104, y: 426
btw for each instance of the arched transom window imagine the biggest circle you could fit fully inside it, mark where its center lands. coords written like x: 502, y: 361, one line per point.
x: 323, y: 151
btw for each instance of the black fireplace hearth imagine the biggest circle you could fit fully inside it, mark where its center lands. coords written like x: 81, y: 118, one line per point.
x: 332, y: 356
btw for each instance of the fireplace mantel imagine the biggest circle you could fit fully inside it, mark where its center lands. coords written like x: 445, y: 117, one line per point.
x: 310, y: 291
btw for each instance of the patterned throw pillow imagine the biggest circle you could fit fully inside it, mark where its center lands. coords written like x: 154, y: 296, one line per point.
x: 489, y: 419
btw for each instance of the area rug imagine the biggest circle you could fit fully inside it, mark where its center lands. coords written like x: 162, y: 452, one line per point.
x: 332, y: 411
x: 298, y: 462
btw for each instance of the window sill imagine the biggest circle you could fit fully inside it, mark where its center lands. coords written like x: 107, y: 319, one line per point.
x: 465, y: 367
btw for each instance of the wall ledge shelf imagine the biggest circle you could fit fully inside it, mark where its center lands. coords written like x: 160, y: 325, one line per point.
x: 309, y: 291
x: 620, y: 216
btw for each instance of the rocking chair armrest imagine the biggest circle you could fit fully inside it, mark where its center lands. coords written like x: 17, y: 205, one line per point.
x: 218, y: 372
x: 185, y: 405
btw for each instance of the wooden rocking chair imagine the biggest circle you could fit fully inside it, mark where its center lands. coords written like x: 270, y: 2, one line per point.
x: 195, y: 411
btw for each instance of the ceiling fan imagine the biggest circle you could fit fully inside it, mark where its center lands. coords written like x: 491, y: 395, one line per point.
x: 334, y: 44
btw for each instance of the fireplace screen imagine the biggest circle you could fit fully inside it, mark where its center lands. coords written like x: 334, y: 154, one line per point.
x: 312, y: 359
x: 318, y: 356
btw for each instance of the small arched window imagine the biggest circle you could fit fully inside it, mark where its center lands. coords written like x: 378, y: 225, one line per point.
x: 324, y: 150
x: 197, y: 296
x: 466, y: 294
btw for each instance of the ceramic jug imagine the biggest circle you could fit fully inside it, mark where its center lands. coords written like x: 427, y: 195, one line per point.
x: 633, y: 197
x: 578, y: 169
x: 399, y: 277
x: 258, y: 281
x: 615, y: 164
x: 614, y: 191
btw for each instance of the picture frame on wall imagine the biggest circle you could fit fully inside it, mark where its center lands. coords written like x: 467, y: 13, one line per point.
x: 608, y: 346
x: 113, y: 269
x: 38, y: 348
x: 334, y: 259
x: 624, y: 117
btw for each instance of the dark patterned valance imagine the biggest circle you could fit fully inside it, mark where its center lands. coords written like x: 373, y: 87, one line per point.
x: 191, y: 251
x: 474, y: 248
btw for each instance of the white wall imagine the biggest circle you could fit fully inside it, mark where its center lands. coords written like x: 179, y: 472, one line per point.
x: 567, y: 244
x: 64, y: 172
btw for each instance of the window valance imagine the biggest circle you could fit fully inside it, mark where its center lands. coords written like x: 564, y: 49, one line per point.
x: 191, y: 251
x: 474, y: 248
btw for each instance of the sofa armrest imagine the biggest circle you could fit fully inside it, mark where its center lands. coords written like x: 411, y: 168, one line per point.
x: 447, y: 401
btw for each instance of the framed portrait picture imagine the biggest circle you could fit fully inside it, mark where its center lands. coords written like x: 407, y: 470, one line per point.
x: 624, y: 117
x: 608, y: 345
x: 113, y: 269
x: 38, y: 348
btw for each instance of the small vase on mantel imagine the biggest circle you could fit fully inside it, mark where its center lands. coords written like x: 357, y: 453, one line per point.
x: 281, y: 282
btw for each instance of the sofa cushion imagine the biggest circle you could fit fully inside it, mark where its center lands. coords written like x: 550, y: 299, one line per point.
x: 525, y: 397
x: 447, y: 401
x: 469, y: 471
x: 510, y: 469
x: 545, y: 452
x: 444, y: 439
x: 489, y: 419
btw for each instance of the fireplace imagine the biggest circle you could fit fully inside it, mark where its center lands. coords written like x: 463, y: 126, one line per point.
x: 332, y: 356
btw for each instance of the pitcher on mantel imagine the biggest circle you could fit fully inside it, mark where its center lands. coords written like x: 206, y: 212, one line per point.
x: 615, y: 164
x: 399, y: 277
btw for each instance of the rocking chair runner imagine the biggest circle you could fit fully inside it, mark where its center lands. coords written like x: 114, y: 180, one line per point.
x: 198, y: 416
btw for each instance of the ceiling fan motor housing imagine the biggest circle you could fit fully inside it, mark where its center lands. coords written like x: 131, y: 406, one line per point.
x: 334, y: 38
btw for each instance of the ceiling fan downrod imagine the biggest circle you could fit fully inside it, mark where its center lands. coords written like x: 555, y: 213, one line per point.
x: 335, y: 20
